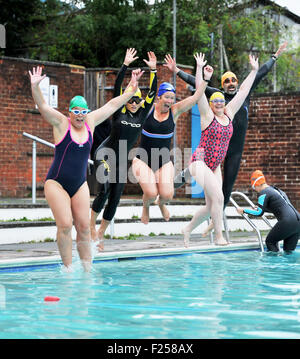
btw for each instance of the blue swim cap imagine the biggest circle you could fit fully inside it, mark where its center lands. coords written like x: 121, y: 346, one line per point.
x: 165, y: 87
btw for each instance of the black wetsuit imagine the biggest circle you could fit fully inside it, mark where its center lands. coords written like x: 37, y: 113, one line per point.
x: 275, y: 201
x: 240, y: 124
x: 111, y: 156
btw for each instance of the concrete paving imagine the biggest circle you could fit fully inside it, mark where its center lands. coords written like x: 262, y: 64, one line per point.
x: 30, y: 248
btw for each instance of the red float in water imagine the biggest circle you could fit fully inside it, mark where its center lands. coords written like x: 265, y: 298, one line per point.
x: 51, y: 298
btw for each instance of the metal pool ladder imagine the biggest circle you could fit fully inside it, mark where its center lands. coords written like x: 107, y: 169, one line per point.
x: 252, y: 224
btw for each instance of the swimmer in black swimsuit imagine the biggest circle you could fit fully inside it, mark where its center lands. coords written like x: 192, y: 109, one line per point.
x: 66, y: 189
x: 273, y: 200
x: 153, y: 167
x: 233, y: 157
x: 111, y: 156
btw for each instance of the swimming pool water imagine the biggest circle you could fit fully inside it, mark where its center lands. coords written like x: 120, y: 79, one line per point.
x: 222, y: 295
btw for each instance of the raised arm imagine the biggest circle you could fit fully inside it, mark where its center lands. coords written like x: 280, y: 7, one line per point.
x: 170, y: 63
x: 151, y: 63
x: 266, y: 67
x: 206, y: 114
x: 54, y: 117
x: 130, y: 56
x: 189, y: 102
x: 96, y: 117
x: 234, y: 105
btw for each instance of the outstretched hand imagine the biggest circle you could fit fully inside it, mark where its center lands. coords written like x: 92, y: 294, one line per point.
x: 281, y: 49
x: 208, y: 72
x: 133, y: 84
x: 170, y: 63
x: 253, y: 62
x: 130, y: 56
x: 200, y: 59
x: 151, y: 62
x: 36, y: 76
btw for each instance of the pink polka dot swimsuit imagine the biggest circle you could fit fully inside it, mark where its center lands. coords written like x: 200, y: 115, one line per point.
x: 213, y: 144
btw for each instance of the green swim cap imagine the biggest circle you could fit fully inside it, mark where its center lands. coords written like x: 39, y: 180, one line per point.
x: 78, y: 101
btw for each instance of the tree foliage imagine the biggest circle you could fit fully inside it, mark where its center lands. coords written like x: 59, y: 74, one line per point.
x: 96, y: 33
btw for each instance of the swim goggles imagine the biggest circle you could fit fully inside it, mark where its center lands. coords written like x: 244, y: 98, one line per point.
x: 134, y: 99
x: 78, y: 112
x: 218, y: 100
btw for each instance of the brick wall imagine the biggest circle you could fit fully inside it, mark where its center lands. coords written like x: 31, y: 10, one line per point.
x: 18, y: 115
x: 272, y: 142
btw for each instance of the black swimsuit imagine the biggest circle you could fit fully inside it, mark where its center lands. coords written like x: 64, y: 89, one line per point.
x: 156, y: 139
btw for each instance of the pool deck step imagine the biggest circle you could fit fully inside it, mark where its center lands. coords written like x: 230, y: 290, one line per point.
x: 27, y: 223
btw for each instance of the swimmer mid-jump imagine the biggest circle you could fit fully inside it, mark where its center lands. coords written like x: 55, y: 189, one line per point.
x: 205, y: 167
x: 127, y: 125
x: 66, y: 189
x: 273, y: 200
x: 152, y: 166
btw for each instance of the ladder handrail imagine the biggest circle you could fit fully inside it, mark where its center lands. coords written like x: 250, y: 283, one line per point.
x: 251, y: 224
x: 265, y: 219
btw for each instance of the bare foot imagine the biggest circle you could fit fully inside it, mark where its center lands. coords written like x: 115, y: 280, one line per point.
x: 207, y: 230
x: 145, y: 215
x: 87, y: 266
x: 186, y: 237
x: 221, y: 242
x: 100, y: 245
x: 165, y: 212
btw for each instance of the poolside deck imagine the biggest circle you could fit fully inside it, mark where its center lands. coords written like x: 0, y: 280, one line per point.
x: 30, y: 253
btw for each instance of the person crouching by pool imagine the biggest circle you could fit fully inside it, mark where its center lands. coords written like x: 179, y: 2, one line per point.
x: 66, y: 188
x: 272, y: 199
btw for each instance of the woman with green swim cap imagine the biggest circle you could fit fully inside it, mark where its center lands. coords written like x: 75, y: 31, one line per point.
x: 66, y: 189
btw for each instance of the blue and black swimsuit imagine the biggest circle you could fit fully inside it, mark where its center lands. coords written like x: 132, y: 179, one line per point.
x: 69, y: 166
x: 275, y: 201
x: 156, y: 138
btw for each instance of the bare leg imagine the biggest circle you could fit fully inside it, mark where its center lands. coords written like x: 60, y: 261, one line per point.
x: 60, y: 204
x: 212, y: 184
x: 200, y: 216
x: 208, y: 229
x: 100, y: 234
x: 80, y: 209
x: 165, y: 177
x: 146, y: 179
x: 217, y: 205
x: 93, y: 219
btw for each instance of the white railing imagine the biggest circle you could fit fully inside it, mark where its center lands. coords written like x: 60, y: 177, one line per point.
x: 36, y: 139
x: 252, y: 224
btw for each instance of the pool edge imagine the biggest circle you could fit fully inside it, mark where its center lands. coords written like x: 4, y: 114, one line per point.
x: 129, y: 254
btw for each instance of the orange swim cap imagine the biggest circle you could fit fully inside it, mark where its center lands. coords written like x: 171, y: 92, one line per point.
x: 226, y: 75
x: 257, y: 178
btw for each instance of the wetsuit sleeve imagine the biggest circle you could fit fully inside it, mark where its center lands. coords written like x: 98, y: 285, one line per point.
x: 119, y: 80
x: 259, y: 211
x: 190, y: 79
x: 210, y: 90
x: 151, y: 94
x: 261, y: 73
